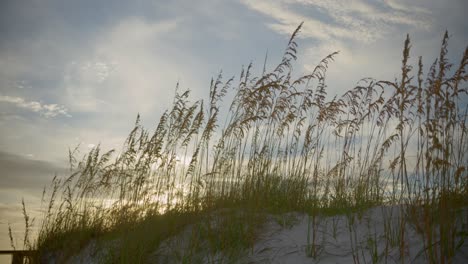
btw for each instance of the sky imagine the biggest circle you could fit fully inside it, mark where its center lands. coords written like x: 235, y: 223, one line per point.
x: 78, y: 72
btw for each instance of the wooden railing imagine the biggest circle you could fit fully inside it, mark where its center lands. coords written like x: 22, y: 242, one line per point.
x: 19, y: 256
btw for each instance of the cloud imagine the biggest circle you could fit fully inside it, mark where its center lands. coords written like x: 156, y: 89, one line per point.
x: 354, y: 20
x: 47, y: 110
x: 89, y: 71
x: 359, y: 29
x: 118, y: 74
x: 406, y: 6
x: 82, y: 79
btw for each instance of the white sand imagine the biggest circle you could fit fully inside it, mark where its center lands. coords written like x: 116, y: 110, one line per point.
x: 336, y: 240
x: 284, y: 239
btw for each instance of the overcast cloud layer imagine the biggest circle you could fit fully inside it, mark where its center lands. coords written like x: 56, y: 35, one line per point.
x: 79, y: 71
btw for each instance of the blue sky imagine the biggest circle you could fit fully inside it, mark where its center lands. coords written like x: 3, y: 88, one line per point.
x: 79, y: 71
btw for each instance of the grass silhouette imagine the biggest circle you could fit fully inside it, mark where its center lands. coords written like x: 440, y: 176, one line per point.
x: 283, y: 147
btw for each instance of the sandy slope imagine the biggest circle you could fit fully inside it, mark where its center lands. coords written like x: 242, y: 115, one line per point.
x: 339, y: 236
x: 284, y: 240
x: 355, y: 238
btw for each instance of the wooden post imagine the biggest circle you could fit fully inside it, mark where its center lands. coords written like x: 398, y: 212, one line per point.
x: 18, y: 256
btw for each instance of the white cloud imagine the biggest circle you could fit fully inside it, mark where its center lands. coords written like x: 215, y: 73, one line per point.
x: 23, y: 84
x: 406, y: 6
x: 359, y: 29
x: 47, y: 110
x: 354, y: 20
x: 81, y: 81
x: 89, y: 71
x: 122, y: 69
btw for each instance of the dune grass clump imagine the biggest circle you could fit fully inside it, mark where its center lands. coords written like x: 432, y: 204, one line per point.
x: 284, y: 145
